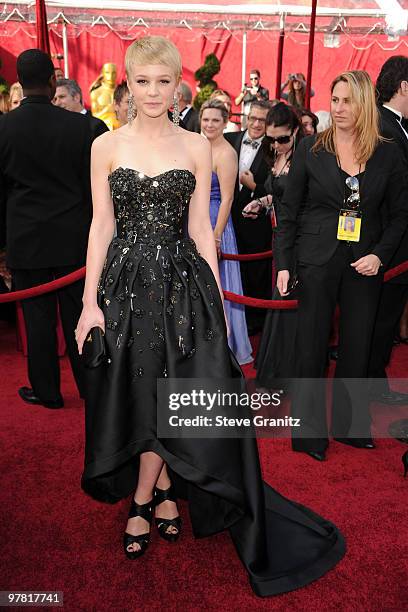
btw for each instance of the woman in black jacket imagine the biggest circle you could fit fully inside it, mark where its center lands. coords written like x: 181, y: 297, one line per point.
x: 347, y: 172
x: 275, y: 355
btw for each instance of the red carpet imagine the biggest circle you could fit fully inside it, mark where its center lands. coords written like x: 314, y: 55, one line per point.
x: 55, y: 538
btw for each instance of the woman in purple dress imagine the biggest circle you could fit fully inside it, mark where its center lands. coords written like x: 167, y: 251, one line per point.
x: 213, y: 119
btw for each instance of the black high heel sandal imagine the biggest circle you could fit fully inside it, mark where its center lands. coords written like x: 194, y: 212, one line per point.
x: 163, y: 524
x: 143, y: 539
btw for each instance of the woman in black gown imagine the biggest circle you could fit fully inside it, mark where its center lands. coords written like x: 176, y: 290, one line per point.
x: 159, y: 302
x: 275, y: 359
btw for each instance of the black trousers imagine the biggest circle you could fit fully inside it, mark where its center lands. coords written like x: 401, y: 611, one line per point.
x: 320, y: 288
x: 392, y: 304
x: 40, y: 316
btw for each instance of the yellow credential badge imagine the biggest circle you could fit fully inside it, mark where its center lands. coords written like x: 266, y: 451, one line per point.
x: 349, y: 226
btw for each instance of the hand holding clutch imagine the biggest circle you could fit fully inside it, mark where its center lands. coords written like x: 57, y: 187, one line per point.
x: 94, y: 349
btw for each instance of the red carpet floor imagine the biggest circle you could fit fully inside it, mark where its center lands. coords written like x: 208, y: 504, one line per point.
x: 55, y: 538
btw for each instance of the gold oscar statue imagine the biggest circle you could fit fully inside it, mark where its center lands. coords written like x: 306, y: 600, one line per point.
x: 101, y: 92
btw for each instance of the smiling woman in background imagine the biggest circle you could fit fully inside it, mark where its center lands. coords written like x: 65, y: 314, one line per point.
x: 213, y: 118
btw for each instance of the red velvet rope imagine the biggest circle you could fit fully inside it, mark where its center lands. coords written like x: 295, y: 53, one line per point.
x: 400, y: 269
x: 250, y: 301
x: 247, y: 257
x: 232, y: 297
x: 58, y: 283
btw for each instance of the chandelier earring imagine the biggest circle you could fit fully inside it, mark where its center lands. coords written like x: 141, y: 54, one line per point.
x: 132, y: 112
x: 176, y: 110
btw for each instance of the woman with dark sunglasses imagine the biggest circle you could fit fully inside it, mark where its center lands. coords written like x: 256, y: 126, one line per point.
x: 347, y: 176
x: 275, y: 356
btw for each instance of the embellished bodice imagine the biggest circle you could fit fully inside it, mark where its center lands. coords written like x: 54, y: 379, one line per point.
x: 151, y: 209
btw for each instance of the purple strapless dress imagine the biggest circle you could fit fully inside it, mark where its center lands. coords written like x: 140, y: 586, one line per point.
x: 231, y: 281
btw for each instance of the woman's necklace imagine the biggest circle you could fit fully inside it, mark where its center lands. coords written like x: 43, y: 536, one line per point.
x: 278, y: 174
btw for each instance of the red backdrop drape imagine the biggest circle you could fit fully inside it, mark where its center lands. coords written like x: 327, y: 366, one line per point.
x: 43, y: 41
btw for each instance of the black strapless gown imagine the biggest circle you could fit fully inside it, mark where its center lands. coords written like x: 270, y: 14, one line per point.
x: 164, y: 317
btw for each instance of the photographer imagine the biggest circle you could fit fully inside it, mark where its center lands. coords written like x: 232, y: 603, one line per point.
x: 297, y: 90
x: 251, y: 93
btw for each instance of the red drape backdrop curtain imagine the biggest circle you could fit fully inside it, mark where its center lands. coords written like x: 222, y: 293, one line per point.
x: 87, y: 54
x: 43, y: 41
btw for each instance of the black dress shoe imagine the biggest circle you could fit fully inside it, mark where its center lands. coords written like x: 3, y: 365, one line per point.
x: 28, y: 396
x: 392, y: 398
x: 357, y: 442
x: 318, y: 455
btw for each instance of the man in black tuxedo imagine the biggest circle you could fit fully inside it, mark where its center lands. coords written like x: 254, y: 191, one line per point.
x: 253, y: 235
x: 392, y: 90
x: 68, y: 95
x: 45, y: 206
x: 188, y: 114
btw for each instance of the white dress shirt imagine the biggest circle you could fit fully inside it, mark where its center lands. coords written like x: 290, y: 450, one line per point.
x: 399, y: 115
x: 184, y: 112
x: 247, y: 154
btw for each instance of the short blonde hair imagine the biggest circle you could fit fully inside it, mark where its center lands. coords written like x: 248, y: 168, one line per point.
x: 153, y: 50
x: 367, y: 131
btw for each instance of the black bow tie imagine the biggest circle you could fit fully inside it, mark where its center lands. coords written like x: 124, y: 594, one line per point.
x: 251, y: 143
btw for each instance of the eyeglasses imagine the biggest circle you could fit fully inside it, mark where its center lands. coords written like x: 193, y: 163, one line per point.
x: 279, y: 139
x: 353, y: 184
x: 254, y: 78
x: 259, y: 119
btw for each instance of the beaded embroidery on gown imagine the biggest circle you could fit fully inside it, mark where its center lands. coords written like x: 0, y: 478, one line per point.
x: 163, y: 317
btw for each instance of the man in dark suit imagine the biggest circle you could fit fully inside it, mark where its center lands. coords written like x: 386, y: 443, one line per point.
x: 68, y: 95
x: 45, y: 206
x: 188, y: 114
x: 392, y: 90
x: 253, y: 235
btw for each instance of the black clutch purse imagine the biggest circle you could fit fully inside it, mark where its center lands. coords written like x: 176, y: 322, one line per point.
x: 94, y: 349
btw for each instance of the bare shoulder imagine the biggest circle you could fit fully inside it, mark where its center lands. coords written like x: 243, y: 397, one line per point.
x: 195, y: 141
x: 198, y: 147
x: 228, y: 151
x: 225, y: 158
x: 104, y: 147
x: 104, y: 142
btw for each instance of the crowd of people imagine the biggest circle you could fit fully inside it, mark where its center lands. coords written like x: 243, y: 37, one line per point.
x: 152, y: 210
x: 252, y: 179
